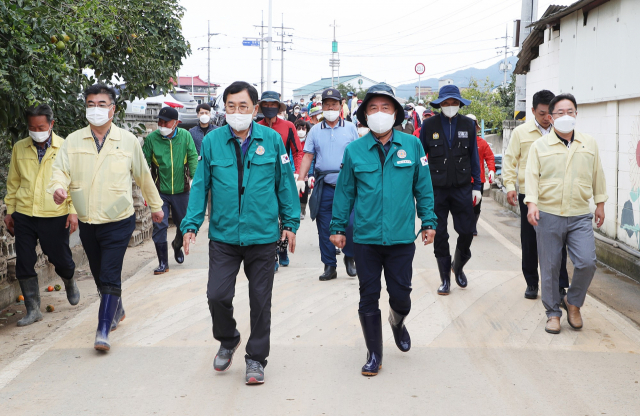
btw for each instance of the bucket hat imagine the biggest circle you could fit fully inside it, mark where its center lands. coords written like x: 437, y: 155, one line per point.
x: 449, y: 91
x: 272, y: 97
x: 385, y: 90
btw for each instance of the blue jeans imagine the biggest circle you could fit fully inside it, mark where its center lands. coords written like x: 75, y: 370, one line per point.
x: 323, y: 221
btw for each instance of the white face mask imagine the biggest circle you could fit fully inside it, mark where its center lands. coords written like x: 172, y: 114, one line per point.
x: 331, y: 116
x: 39, y: 136
x: 239, y: 122
x: 302, y: 134
x: 450, y: 111
x: 166, y: 131
x: 362, y: 131
x: 281, y: 116
x: 205, y: 118
x: 296, y: 112
x: 564, y: 124
x: 381, y: 122
x: 97, y: 116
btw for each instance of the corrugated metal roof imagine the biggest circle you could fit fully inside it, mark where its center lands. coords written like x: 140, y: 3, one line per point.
x: 566, y: 10
x: 323, y: 84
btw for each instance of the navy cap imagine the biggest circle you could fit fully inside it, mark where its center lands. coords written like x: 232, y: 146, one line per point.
x: 331, y: 94
x: 168, y: 114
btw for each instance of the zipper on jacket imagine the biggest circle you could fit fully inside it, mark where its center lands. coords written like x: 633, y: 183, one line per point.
x: 383, y: 158
x: 240, y: 173
x: 170, y: 147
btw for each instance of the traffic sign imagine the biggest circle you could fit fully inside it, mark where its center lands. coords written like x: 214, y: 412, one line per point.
x: 250, y: 43
x: 419, y: 69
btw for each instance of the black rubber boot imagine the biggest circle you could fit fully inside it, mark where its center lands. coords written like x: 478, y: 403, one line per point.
x: 31, y: 293
x: 162, y: 250
x: 400, y: 333
x: 106, y: 314
x: 350, y: 265
x: 444, y: 266
x: 329, y: 273
x: 459, y: 261
x: 73, y: 293
x: 372, y: 330
x: 177, y: 250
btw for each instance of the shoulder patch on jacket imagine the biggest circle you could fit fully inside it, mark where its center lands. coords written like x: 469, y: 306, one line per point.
x: 199, y: 158
x: 285, y: 159
x: 424, y: 161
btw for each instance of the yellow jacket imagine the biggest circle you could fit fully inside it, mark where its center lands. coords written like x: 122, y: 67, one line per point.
x: 560, y: 180
x: 28, y: 179
x: 100, y: 183
x: 517, y: 153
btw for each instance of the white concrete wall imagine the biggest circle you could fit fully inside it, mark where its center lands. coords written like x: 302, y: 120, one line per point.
x: 544, y: 74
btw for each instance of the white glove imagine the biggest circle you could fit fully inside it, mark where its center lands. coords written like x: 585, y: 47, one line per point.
x: 492, y: 176
x: 295, y: 177
x: 477, y: 197
x: 300, y: 186
x: 312, y: 182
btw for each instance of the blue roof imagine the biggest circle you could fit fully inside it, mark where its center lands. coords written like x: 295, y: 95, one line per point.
x: 323, y: 84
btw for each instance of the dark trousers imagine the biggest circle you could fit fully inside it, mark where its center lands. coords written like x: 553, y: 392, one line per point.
x: 105, y: 245
x: 397, y: 262
x: 54, y: 241
x: 476, y: 211
x: 224, y: 265
x: 530, y: 250
x: 323, y: 222
x: 458, y: 202
x: 178, y: 205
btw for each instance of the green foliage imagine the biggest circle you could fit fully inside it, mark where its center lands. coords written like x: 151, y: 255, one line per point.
x: 486, y: 104
x: 345, y: 88
x: 46, y: 44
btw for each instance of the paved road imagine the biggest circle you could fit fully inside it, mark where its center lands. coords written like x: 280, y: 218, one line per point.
x: 479, y: 351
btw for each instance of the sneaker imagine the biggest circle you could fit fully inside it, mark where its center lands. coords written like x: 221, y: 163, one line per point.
x: 224, y: 358
x: 255, y: 372
x: 276, y: 267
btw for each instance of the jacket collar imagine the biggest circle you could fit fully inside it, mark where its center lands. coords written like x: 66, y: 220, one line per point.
x: 56, y: 141
x: 552, y: 138
x: 371, y: 140
x: 114, y: 133
x: 255, y: 133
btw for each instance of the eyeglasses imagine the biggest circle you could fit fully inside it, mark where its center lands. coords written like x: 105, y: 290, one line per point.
x: 565, y: 113
x: 232, y: 109
x: 100, y: 105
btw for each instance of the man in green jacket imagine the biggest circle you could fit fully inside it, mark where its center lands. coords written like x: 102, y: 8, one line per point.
x: 172, y: 155
x: 247, y: 169
x: 385, y: 176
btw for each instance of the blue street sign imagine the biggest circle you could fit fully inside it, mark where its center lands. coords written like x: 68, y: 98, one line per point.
x: 250, y: 43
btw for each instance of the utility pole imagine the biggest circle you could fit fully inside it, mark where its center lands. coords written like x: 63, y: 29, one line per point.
x: 282, y: 49
x: 334, y: 62
x: 505, y: 66
x: 269, y: 40
x: 528, y: 15
x: 208, y: 48
x: 262, y: 39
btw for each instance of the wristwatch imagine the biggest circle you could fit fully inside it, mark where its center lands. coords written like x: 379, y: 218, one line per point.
x: 426, y: 227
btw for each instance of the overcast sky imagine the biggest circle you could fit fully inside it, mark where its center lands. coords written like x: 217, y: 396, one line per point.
x: 382, y: 40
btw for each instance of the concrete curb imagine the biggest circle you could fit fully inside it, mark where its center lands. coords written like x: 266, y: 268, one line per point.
x: 610, y: 256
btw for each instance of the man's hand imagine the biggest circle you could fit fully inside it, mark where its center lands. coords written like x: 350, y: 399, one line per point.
x: 157, y: 216
x: 72, y: 223
x: 512, y: 198
x: 428, y: 236
x: 599, y: 214
x: 312, y: 182
x: 188, y: 238
x: 338, y: 240
x: 8, y: 220
x: 59, y: 196
x: 534, y: 215
x: 477, y: 197
x: 300, y: 186
x: 289, y: 235
x: 492, y: 176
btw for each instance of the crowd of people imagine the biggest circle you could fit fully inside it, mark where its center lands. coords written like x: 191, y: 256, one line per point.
x: 364, y: 167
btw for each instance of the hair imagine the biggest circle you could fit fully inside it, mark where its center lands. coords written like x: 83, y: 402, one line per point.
x: 40, y: 110
x: 562, y: 97
x: 201, y: 106
x: 240, y: 86
x: 301, y: 123
x: 543, y: 97
x: 100, y: 89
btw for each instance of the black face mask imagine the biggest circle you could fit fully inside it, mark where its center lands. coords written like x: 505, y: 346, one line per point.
x: 269, y: 112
